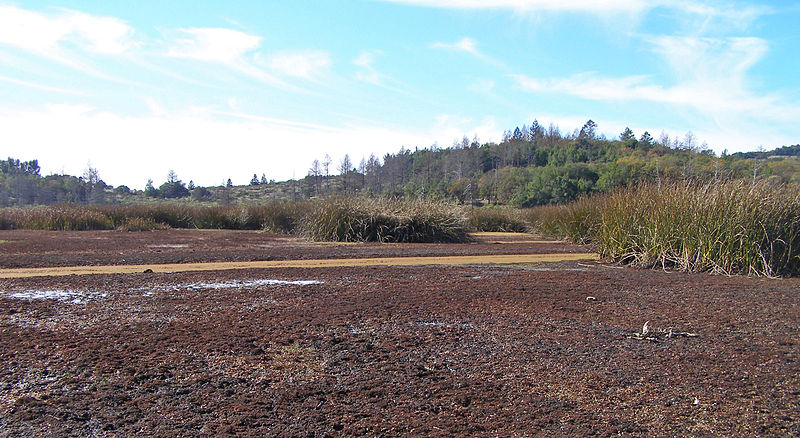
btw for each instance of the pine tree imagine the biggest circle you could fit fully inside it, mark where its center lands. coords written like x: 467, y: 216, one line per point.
x: 627, y: 135
x: 589, y: 130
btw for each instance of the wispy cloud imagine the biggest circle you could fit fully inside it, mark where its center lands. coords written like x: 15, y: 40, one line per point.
x: 712, y: 15
x: 155, y: 107
x: 727, y: 9
x: 467, y: 45
x: 449, y: 127
x: 306, y: 64
x: 706, y: 14
x: 368, y: 73
x: 710, y: 76
x: 533, y: 5
x: 38, y: 86
x: 66, y: 36
x: 710, y: 73
x: 46, y: 34
x: 227, y: 47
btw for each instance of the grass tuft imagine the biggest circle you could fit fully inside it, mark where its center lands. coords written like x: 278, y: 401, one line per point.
x: 497, y: 220
x: 140, y: 224
x: 275, y: 217
x: 734, y: 227
x: 384, y: 220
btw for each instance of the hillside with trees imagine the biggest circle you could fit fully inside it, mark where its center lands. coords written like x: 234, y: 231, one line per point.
x: 532, y: 165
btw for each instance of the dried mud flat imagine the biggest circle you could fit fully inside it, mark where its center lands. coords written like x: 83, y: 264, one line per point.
x: 386, y: 351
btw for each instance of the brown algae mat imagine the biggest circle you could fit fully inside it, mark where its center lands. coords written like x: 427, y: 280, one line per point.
x: 520, y: 350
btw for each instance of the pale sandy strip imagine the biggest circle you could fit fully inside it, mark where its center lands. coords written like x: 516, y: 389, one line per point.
x: 500, y: 234
x: 521, y: 241
x: 322, y: 263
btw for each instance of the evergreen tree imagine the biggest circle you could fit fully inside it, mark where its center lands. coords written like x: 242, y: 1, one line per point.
x: 174, y: 187
x: 149, y: 190
x: 589, y: 130
x: 627, y: 135
x: 646, y: 138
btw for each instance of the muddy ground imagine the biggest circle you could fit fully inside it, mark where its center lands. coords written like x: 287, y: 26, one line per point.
x: 546, y: 349
x: 21, y: 249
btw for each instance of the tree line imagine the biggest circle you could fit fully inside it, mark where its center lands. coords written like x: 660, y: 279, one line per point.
x: 534, y: 165
x: 531, y: 165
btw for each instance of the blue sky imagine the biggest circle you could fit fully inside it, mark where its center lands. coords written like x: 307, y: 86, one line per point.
x: 218, y: 90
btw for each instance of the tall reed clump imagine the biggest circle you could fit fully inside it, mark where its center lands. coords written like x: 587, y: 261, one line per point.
x: 282, y: 217
x: 54, y: 218
x: 734, y: 227
x: 384, y: 220
x: 274, y: 217
x: 497, y: 219
x: 728, y: 227
x: 576, y: 221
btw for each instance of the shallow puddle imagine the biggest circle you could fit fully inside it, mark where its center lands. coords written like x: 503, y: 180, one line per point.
x: 73, y: 296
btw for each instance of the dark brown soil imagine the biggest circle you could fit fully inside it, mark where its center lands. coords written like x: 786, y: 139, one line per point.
x: 391, y: 351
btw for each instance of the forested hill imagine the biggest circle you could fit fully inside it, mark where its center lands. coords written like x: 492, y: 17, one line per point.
x: 532, y: 165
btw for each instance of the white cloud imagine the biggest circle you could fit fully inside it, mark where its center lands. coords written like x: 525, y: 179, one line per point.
x: 710, y: 78
x: 709, y: 59
x: 467, y: 45
x: 38, y: 86
x: 305, y: 64
x: 46, y: 34
x: 368, y: 73
x: 449, y: 127
x: 533, y: 5
x: 711, y: 9
x: 698, y: 17
x: 710, y: 15
x: 203, y: 144
x: 155, y: 107
x: 225, y: 46
x: 710, y: 73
